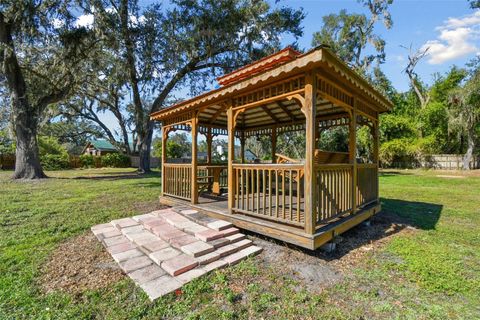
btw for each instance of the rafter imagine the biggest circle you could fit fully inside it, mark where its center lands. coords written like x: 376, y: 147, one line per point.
x: 285, y: 109
x: 270, y: 113
x: 217, y: 114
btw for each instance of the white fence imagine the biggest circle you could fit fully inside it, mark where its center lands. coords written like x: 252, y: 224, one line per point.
x: 439, y: 161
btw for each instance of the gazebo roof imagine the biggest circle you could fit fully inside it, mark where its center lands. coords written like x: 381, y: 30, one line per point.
x: 281, y: 66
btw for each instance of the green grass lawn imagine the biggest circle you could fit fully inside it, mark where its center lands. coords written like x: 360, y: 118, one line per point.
x: 429, y: 271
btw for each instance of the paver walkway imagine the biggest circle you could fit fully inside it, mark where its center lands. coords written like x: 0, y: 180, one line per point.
x: 162, y: 250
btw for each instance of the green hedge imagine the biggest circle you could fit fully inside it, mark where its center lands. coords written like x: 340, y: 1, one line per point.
x: 55, y: 161
x: 116, y: 160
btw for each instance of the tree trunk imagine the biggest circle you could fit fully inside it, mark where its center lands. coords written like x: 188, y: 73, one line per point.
x: 467, y: 158
x: 144, y: 149
x: 27, y: 161
x: 25, y: 117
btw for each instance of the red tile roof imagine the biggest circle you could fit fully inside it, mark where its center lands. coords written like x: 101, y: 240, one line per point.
x: 269, y: 62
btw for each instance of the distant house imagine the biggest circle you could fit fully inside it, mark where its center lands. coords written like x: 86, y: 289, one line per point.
x: 99, y: 148
x: 249, y: 155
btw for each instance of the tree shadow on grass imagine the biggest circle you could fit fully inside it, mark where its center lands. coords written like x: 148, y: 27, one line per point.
x: 113, y: 176
x: 396, y: 216
x: 394, y: 173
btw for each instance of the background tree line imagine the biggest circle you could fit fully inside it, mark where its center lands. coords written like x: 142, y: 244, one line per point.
x: 59, y: 73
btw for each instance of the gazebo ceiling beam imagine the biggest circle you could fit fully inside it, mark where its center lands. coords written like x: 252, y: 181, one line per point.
x: 319, y: 117
x: 217, y: 114
x: 267, y: 111
x: 285, y: 110
x: 267, y: 100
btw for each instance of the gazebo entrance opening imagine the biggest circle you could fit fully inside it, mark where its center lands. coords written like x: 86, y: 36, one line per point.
x: 304, y: 200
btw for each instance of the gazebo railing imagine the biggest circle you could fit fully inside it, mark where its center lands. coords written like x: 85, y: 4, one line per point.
x: 214, y: 177
x: 333, y: 191
x: 367, y: 186
x: 178, y: 180
x: 270, y: 191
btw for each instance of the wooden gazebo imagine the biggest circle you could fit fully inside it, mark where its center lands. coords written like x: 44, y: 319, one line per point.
x: 302, y: 201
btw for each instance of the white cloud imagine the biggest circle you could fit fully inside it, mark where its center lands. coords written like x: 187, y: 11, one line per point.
x: 457, y: 37
x: 85, y: 20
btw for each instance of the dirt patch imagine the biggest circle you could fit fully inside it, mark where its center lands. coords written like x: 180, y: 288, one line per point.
x: 148, y: 206
x: 450, y: 176
x: 318, y: 269
x: 78, y: 265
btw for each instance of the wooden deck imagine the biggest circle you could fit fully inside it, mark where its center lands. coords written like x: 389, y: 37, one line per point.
x: 217, y: 207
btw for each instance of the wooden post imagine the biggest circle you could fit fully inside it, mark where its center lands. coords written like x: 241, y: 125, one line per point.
x: 352, y: 150
x: 194, y: 195
x: 309, y: 109
x: 376, y: 144
x: 231, y: 157
x: 164, y: 156
x: 242, y: 146
x: 274, y: 144
x: 209, y: 138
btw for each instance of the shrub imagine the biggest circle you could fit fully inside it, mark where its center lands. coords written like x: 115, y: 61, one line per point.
x: 88, y: 161
x: 50, y: 145
x: 55, y: 161
x: 403, y: 151
x: 116, y: 160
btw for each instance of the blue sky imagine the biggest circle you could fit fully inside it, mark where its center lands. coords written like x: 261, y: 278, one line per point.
x: 449, y: 27
x: 414, y: 22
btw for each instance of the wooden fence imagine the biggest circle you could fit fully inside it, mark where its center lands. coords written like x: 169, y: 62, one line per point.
x: 7, y: 161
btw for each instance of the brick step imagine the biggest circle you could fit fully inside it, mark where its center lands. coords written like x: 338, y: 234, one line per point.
x: 203, y: 219
x: 163, y: 250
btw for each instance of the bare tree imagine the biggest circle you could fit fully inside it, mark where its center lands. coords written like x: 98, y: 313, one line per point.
x: 414, y: 58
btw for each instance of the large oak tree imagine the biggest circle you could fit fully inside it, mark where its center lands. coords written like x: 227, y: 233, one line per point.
x: 184, y: 44
x: 40, y: 50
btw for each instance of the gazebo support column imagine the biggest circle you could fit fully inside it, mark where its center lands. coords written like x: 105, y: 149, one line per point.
x: 209, y: 138
x: 352, y: 151
x: 242, y: 146
x: 309, y: 109
x: 194, y: 195
x: 231, y: 157
x: 164, y: 156
x: 376, y: 143
x: 274, y: 144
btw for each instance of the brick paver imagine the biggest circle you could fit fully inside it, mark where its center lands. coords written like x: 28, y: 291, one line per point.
x: 115, y: 240
x: 162, y: 250
x: 242, y: 254
x: 164, y: 254
x: 208, y: 235
x: 215, y: 265
x: 123, y: 223
x: 121, y: 247
x: 235, y: 237
x: 147, y: 274
x: 125, y: 255
x: 135, y: 263
x: 197, y: 248
x: 155, y: 245
x: 190, y: 275
x: 179, y: 264
x: 160, y: 286
x: 182, y: 241
x: 219, y: 225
